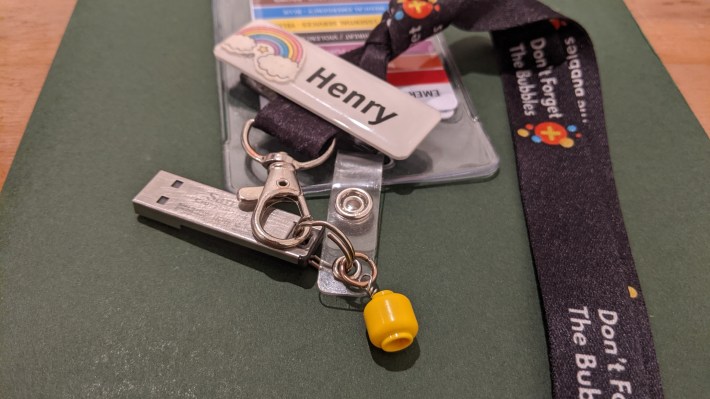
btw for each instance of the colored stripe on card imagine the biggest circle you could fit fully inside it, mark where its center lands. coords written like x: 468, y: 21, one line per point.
x: 320, y: 10
x: 415, y: 62
x: 328, y: 23
x: 417, y: 77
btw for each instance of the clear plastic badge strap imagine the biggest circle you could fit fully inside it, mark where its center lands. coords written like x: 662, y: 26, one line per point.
x: 354, y: 209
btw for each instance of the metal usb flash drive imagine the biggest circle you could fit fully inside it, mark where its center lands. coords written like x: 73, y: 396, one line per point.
x: 177, y: 202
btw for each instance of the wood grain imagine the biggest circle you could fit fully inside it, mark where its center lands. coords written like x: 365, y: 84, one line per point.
x: 30, y: 32
x: 679, y: 32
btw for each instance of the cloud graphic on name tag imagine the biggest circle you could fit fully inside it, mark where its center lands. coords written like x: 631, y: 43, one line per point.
x: 240, y: 44
x: 277, y: 68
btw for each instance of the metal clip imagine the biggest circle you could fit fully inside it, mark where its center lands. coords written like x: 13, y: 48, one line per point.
x: 281, y: 185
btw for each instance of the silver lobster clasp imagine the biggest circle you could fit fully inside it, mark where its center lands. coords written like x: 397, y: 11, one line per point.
x: 281, y: 186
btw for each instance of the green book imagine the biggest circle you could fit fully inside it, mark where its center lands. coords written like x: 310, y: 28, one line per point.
x: 95, y: 302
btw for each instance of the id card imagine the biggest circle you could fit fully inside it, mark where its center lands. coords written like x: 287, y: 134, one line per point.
x: 340, y: 26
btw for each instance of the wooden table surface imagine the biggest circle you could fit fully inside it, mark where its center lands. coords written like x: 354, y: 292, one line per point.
x: 30, y: 32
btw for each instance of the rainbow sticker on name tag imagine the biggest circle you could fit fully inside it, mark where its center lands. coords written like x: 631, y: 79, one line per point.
x: 337, y: 91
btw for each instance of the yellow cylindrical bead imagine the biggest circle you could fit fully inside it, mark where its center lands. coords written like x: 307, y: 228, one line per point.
x: 390, y: 321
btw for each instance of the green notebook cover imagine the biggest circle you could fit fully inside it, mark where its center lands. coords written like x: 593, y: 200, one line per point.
x: 95, y: 302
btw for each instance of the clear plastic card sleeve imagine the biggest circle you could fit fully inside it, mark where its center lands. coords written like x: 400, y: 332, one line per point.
x: 457, y: 149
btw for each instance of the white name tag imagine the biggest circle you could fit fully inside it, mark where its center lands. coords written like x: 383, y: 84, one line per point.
x: 337, y: 91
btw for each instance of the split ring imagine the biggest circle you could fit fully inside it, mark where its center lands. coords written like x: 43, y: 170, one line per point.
x: 356, y: 282
x: 262, y: 159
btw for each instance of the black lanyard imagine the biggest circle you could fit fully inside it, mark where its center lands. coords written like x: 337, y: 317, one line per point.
x: 599, y: 338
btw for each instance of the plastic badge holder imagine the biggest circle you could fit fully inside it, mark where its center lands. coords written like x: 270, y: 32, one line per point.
x: 352, y: 172
x: 457, y: 149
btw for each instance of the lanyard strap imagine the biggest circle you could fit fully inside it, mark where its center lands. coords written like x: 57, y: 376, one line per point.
x: 598, y: 332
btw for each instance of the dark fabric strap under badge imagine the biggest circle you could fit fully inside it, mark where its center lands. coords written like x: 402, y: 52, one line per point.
x: 599, y: 337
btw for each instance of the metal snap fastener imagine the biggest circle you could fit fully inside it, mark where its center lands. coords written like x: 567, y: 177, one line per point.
x: 353, y: 203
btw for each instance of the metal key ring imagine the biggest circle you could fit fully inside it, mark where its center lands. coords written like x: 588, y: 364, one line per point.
x: 264, y: 158
x: 356, y: 273
x: 335, y: 235
x: 343, y: 275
